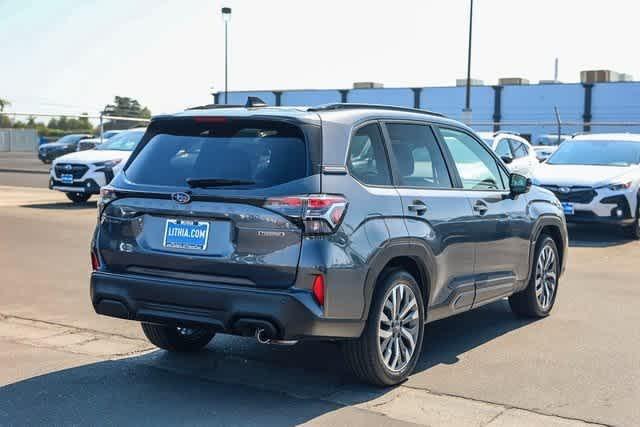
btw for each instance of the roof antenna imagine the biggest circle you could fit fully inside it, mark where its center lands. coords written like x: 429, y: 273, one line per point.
x: 255, y: 102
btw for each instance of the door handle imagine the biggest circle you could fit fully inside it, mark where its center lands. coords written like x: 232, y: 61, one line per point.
x: 480, y: 207
x: 418, y: 207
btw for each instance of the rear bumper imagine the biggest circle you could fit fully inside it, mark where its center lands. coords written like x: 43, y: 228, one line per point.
x: 228, y: 309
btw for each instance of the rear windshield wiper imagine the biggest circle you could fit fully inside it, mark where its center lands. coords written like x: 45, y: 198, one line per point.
x: 216, y: 182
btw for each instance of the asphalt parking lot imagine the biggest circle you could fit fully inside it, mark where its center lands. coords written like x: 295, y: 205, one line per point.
x: 62, y: 364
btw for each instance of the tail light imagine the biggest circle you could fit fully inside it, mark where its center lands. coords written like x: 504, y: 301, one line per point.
x: 319, y: 213
x: 318, y: 289
x: 107, y: 195
x: 95, y: 261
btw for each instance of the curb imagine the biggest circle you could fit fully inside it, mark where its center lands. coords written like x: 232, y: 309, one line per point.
x: 33, y: 171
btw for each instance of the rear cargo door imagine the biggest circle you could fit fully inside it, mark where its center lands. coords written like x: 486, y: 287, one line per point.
x: 194, y: 203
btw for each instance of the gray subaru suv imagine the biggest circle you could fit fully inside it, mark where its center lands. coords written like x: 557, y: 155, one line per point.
x: 357, y: 223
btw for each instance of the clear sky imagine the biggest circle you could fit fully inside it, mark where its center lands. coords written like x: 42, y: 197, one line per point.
x: 75, y: 55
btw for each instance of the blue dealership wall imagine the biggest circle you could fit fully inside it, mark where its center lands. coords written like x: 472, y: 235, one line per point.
x: 616, y: 102
x: 516, y: 108
x: 536, y: 103
x: 450, y: 101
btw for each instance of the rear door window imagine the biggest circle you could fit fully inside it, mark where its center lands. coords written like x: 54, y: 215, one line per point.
x: 246, y: 153
x: 418, y: 157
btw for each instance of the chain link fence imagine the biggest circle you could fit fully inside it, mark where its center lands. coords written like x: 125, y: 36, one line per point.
x: 27, y: 139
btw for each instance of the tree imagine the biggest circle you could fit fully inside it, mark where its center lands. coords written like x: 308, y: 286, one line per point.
x: 4, y: 120
x: 125, y: 107
x: 4, y: 103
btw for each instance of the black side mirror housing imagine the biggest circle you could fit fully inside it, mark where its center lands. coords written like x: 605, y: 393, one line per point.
x: 519, y: 184
x: 506, y: 159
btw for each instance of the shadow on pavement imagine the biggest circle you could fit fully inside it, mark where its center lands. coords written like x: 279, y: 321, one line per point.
x: 594, y: 236
x: 62, y: 205
x: 234, y: 382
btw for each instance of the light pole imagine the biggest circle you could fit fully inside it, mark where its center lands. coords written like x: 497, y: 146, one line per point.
x: 467, y: 105
x: 226, y: 15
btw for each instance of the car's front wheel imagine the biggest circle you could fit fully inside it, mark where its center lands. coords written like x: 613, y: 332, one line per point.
x: 390, y: 346
x: 178, y: 339
x: 634, y: 230
x: 538, y: 298
x: 78, y: 197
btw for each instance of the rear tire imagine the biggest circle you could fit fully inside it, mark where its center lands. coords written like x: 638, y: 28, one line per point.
x: 177, y: 339
x: 78, y: 197
x: 372, y: 357
x: 538, y: 298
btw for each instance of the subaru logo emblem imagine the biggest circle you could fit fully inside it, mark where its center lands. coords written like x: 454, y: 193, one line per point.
x: 68, y: 167
x: 181, y: 198
x: 564, y: 189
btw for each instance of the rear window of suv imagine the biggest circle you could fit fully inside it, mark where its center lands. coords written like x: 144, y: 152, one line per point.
x: 249, y: 153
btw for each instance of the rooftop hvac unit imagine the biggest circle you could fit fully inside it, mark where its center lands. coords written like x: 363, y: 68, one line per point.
x: 473, y: 82
x: 604, y: 76
x: 367, y: 85
x: 506, y: 81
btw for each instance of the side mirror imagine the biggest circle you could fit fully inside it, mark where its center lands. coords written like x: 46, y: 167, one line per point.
x: 506, y: 159
x: 519, y: 184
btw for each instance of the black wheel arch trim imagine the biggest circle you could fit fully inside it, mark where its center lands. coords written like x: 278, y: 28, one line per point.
x: 542, y: 222
x: 408, y: 247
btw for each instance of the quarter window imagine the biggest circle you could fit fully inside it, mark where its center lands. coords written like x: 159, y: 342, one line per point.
x: 367, y: 159
x: 503, y: 148
x: 418, y: 157
x: 478, y: 170
x: 519, y: 149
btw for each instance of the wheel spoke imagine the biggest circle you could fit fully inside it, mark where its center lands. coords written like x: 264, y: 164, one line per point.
x: 385, y: 343
x: 405, y: 333
x: 412, y: 317
x: 396, y: 353
x: 385, y: 333
x: 407, y: 308
x: 394, y: 304
x: 384, y: 319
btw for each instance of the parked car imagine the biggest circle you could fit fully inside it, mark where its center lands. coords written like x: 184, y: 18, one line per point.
x: 551, y: 139
x: 597, y: 179
x: 88, y: 144
x: 543, y: 152
x: 64, y: 145
x: 547, y: 144
x: 515, y: 151
x: 346, y: 222
x: 80, y: 175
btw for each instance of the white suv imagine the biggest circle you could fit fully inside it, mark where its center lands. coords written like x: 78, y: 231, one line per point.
x: 597, y: 179
x: 515, y: 151
x: 81, y: 174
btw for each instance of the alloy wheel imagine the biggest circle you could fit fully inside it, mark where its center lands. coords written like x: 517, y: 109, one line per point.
x: 398, y: 327
x: 546, y: 277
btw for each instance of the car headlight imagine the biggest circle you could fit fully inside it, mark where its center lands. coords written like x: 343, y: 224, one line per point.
x: 618, y: 186
x: 107, y: 164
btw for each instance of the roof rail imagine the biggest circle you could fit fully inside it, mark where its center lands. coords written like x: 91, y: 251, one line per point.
x: 214, y: 106
x: 348, y: 106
